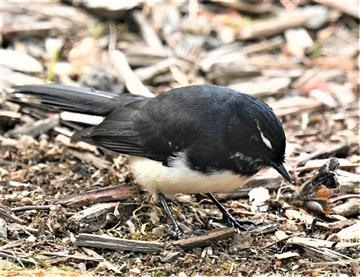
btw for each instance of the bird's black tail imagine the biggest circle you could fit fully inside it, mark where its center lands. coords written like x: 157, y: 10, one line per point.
x: 75, y: 99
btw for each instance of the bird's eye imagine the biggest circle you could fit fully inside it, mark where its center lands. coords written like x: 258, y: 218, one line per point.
x: 254, y: 141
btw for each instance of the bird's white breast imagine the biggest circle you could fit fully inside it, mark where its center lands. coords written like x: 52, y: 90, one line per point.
x: 179, y: 178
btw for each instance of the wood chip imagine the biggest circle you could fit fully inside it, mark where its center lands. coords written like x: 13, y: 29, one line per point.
x: 108, y: 194
x: 350, y: 233
x: 19, y: 61
x: 350, y: 7
x: 127, y: 75
x: 286, y: 255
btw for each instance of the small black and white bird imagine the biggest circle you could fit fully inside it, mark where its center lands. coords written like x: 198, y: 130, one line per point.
x: 195, y: 139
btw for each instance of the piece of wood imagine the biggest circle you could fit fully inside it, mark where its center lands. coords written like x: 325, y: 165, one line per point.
x: 236, y: 51
x: 35, y: 129
x: 147, y: 31
x: 107, y: 242
x: 10, y: 217
x: 34, y: 208
x: 317, y: 163
x: 74, y: 257
x: 294, y: 105
x: 95, y: 211
x: 3, y: 228
x: 249, y: 7
x: 205, y: 240
x: 325, y: 149
x: 349, y: 208
x: 147, y: 73
x: 263, y: 86
x: 350, y: 7
x: 12, y: 257
x: 322, y: 243
x: 109, y: 194
x: 80, y: 145
x: 86, y: 157
x: 127, y: 75
x: 273, y: 26
x: 286, y: 255
x: 350, y: 233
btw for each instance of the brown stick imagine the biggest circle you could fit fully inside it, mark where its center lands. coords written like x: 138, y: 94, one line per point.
x: 109, y: 194
x: 107, y: 242
x: 201, y: 241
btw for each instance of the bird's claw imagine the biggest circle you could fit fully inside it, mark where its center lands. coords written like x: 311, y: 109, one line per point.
x: 241, y: 225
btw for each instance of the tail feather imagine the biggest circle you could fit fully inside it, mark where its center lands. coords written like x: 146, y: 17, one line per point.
x: 76, y: 99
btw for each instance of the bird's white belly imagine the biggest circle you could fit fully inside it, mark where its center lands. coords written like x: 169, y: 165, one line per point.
x: 155, y: 177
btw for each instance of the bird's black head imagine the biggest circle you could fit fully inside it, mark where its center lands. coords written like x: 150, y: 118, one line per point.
x: 255, y: 137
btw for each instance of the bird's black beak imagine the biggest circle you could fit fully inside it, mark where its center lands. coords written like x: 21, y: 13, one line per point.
x: 281, y: 169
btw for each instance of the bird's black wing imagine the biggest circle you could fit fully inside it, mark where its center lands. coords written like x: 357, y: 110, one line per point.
x: 157, y: 128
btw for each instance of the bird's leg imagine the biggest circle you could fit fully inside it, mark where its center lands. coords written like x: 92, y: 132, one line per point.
x: 176, y: 231
x: 228, y: 218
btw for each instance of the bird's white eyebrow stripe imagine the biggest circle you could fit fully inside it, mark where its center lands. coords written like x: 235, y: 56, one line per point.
x: 265, y: 140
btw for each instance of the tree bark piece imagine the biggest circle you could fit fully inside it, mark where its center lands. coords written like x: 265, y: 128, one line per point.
x: 205, y: 240
x: 109, y: 194
x: 39, y: 127
x: 107, y: 242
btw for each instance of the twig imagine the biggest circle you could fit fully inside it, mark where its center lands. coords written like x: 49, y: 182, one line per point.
x: 35, y: 208
x: 91, y: 159
x: 273, y: 26
x: 11, y: 256
x: 36, y: 128
x: 76, y: 257
x: 200, y: 241
x: 338, y: 262
x: 127, y: 75
x: 11, y: 217
x: 107, y: 242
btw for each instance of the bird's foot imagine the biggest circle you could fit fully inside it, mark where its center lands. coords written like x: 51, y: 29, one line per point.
x: 176, y: 233
x: 241, y: 225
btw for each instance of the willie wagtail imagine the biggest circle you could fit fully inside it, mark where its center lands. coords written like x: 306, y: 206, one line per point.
x: 195, y: 139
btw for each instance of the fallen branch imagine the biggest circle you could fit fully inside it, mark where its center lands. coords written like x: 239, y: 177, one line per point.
x: 107, y: 242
